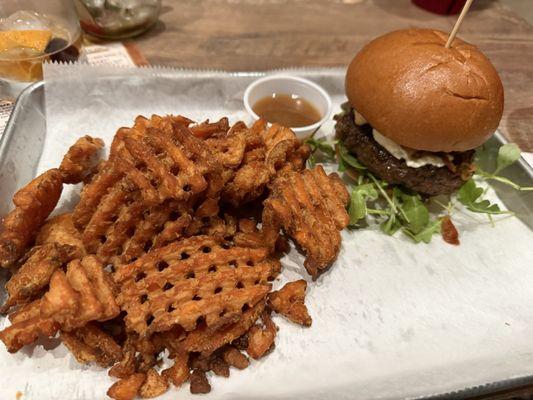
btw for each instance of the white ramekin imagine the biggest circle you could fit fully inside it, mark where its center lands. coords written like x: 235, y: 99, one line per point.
x: 287, y: 84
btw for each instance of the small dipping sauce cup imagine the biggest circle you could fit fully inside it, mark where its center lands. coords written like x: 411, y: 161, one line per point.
x: 314, y: 99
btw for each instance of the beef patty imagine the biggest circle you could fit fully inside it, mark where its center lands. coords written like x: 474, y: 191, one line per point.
x: 428, y: 179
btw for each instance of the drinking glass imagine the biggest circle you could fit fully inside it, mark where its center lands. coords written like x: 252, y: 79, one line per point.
x: 32, y: 31
x: 117, y: 19
x: 448, y: 7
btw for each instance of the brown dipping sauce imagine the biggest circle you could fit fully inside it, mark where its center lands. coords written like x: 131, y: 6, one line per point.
x: 287, y: 110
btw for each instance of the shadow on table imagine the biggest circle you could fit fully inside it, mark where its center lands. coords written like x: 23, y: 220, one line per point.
x: 155, y: 30
x: 480, y: 5
x: 159, y: 26
x: 166, y: 9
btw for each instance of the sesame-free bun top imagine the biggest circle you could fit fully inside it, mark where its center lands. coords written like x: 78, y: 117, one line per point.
x: 421, y: 95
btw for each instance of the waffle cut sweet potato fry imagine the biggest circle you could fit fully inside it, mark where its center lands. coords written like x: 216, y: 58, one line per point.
x: 27, y: 326
x: 60, y: 230
x: 127, y: 388
x: 35, y: 201
x: 311, y: 207
x: 91, y: 344
x: 84, y: 293
x: 229, y: 146
x: 207, y: 341
x: 121, y: 232
x: 143, y: 196
x: 164, y: 270
x: 208, y: 129
x: 164, y: 160
x: 200, y: 280
x: 80, y: 159
x: 261, y: 337
x: 33, y: 204
x: 289, y: 301
x: 33, y: 277
x: 267, y: 152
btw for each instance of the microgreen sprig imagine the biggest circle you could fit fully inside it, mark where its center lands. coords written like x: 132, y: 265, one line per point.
x: 508, y: 154
x: 397, y: 209
x: 322, y: 148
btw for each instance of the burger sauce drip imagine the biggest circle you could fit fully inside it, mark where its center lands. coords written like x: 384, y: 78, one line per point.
x: 287, y: 110
x: 449, y: 231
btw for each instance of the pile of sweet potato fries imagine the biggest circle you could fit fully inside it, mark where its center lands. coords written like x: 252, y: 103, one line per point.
x: 170, y: 254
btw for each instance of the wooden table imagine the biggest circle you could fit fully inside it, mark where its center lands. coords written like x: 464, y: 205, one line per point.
x: 240, y: 35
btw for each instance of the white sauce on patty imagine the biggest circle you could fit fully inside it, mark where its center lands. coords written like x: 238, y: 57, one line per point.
x: 403, y: 153
x: 398, y: 151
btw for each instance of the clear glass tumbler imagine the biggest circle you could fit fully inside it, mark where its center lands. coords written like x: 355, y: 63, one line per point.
x: 32, y: 31
x: 117, y: 19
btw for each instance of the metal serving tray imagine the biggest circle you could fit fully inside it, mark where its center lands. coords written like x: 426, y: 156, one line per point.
x: 21, y: 147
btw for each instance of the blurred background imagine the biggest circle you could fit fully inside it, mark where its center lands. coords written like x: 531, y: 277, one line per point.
x: 229, y: 34
x: 523, y: 7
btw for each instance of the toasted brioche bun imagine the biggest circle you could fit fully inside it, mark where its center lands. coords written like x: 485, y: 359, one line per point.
x: 416, y: 92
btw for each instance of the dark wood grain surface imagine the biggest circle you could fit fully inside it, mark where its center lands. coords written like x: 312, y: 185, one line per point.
x: 241, y: 35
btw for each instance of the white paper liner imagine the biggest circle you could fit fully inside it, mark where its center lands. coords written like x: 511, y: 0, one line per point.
x: 391, y: 319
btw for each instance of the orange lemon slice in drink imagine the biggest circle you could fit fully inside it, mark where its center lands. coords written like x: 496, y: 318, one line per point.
x: 20, y: 53
x: 36, y: 40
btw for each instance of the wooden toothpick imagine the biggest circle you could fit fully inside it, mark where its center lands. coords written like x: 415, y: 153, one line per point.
x: 458, y: 23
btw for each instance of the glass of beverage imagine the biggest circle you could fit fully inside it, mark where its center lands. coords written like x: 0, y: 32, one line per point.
x: 441, y: 6
x: 32, y: 31
x: 117, y: 19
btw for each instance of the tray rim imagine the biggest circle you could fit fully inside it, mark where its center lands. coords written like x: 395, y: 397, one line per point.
x: 482, y: 389
x: 10, y: 126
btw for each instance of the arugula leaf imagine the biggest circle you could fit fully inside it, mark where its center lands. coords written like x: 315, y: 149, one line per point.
x: 381, y: 187
x: 416, y: 212
x: 352, y: 161
x: 414, y: 215
x: 357, y: 209
x: 485, y: 207
x: 396, y: 209
x: 391, y: 225
x: 377, y: 211
x: 341, y: 167
x: 368, y: 190
x: 469, y: 193
x: 323, y: 146
x: 347, y: 158
x: 311, y: 161
x: 508, y: 154
x: 426, y: 234
x: 486, y: 176
x: 320, y: 146
x: 508, y: 182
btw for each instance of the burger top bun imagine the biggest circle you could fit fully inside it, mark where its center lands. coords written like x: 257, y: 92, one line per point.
x: 419, y: 94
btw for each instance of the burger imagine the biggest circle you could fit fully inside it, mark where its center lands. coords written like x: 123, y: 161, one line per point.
x: 417, y: 110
